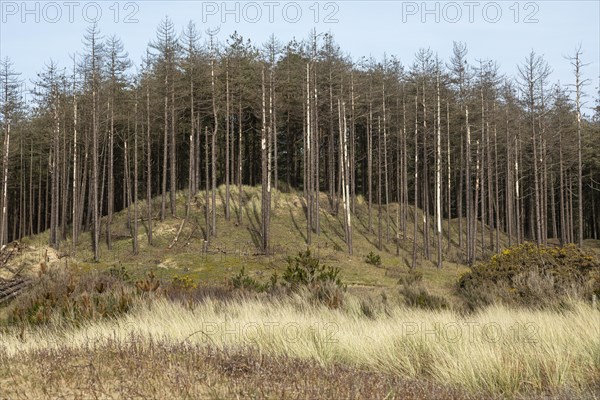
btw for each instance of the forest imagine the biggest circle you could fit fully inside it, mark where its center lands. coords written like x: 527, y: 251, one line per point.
x: 456, y: 138
x: 222, y: 218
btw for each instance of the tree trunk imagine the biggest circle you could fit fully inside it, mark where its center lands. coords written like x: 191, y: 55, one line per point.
x: 227, y: 127
x: 163, y: 204
x: 173, y: 164
x: 214, y: 151
x: 148, y: 168
x: 344, y: 165
x: 415, y: 186
x: 135, y: 178
x: 438, y: 178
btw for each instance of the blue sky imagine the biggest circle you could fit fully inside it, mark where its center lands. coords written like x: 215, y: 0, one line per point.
x: 33, y: 32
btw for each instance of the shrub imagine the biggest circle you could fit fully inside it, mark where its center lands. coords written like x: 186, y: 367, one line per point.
x: 148, y: 285
x: 304, y: 273
x: 244, y: 281
x: 119, y: 273
x: 329, y: 293
x: 322, y: 282
x: 533, y: 276
x: 373, y: 259
x: 410, y: 278
x: 421, y: 298
x: 306, y: 270
x: 183, y: 282
x: 60, y: 295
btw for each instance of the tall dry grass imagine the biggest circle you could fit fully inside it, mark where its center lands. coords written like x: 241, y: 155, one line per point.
x: 501, y: 351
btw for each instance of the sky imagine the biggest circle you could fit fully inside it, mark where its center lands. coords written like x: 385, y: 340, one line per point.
x: 34, y: 32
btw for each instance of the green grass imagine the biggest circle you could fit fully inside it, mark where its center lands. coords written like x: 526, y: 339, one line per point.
x: 238, y: 245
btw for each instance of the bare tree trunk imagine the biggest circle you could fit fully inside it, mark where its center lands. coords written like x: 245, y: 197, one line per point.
x: 173, y: 164
x: 571, y: 213
x: 227, y: 126
x: 352, y: 148
x: 370, y: 163
x: 330, y: 152
x: 308, y: 162
x: 425, y: 194
x: 438, y: 177
x: 192, y: 160
x: 265, y: 180
x: 404, y: 167
x: 3, y: 222
x: 577, y: 65
x: 345, y: 167
x: 274, y: 130
x: 536, y: 182
x: 399, y: 173
x: 214, y: 151
x: 148, y: 168
x: 55, y: 172
x: 103, y: 159
x: 415, y: 186
x: 127, y: 181
x: 553, y: 206
x: 497, y: 187
x: 563, y: 219
x: 460, y: 193
x: 111, y: 181
x: 509, y: 198
x: 39, y: 203
x: 476, y: 200
x: 163, y: 204
x: 95, y: 210
x: 385, y: 172
x: 240, y: 188
x: 75, y: 210
x: 544, y: 189
x: 316, y: 155
x: 66, y: 177
x: 31, y: 192
x: 135, y: 177
x: 482, y: 175
x: 448, y: 176
x: 379, y: 209
x: 468, y: 190
x: 85, y: 178
x: 206, y: 187
x: 518, y: 200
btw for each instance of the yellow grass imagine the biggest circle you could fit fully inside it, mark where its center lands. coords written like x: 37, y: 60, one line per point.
x: 499, y: 351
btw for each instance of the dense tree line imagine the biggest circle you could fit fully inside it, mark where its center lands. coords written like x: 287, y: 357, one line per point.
x: 455, y: 138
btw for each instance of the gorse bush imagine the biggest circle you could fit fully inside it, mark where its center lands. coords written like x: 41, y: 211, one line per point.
x: 532, y: 276
x: 183, y: 282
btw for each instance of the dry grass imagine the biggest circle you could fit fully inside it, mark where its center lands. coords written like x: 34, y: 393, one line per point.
x: 496, y: 352
x: 160, y: 370
x: 285, y: 347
